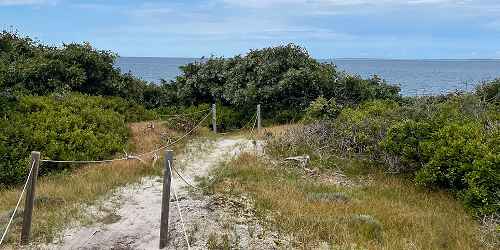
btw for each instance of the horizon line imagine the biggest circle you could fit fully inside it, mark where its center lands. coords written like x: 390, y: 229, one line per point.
x: 345, y: 58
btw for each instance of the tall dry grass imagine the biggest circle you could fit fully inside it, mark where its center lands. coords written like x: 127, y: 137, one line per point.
x: 383, y: 213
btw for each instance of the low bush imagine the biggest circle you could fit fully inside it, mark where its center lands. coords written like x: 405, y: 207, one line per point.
x: 321, y: 109
x: 489, y: 91
x: 70, y: 127
x: 452, y: 144
x: 403, y: 139
x: 358, y: 131
x: 464, y: 159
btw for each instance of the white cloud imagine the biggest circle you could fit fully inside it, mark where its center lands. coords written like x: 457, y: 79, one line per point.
x: 26, y: 2
x: 358, y: 3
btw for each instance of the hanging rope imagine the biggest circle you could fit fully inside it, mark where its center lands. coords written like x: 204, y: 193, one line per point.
x: 186, y: 114
x: 184, y: 179
x: 254, y: 116
x: 132, y: 157
x: 180, y: 138
x: 252, y: 134
x: 179, y: 208
x: 17, y: 205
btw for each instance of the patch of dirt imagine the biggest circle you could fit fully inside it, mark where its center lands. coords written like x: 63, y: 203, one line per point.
x: 131, y: 218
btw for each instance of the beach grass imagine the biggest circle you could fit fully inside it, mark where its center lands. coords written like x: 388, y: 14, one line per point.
x: 375, y: 211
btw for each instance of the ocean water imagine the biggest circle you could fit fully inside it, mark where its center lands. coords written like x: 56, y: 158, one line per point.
x: 416, y: 77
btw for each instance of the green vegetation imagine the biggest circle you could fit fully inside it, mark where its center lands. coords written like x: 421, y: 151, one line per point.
x: 30, y: 68
x: 284, y: 79
x: 71, y: 103
x: 448, y: 142
x: 72, y: 127
x: 51, y: 102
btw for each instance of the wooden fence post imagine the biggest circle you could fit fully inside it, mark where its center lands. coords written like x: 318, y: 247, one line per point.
x: 259, y: 120
x: 165, y: 199
x: 214, y: 118
x: 30, y: 198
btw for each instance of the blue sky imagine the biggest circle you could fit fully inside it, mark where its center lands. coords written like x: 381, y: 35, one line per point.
x: 406, y: 29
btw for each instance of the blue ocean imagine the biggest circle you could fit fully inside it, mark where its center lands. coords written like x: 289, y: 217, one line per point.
x: 416, y: 77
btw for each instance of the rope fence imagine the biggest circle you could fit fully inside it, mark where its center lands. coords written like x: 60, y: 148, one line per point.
x: 127, y: 157
x: 132, y: 157
x: 179, y: 139
x: 186, y: 114
x: 33, y: 173
x: 18, y: 203
x: 184, y: 179
x: 179, y: 208
x: 247, y: 125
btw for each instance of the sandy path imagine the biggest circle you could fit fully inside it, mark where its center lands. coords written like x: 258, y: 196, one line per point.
x: 134, y: 220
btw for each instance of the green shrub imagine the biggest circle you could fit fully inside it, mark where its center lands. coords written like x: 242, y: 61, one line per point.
x: 229, y: 118
x: 28, y: 67
x: 284, y: 79
x: 321, y: 109
x: 359, y: 131
x: 463, y: 158
x: 453, y: 143
x: 450, y: 143
x: 489, y: 91
x: 403, y: 140
x: 72, y: 127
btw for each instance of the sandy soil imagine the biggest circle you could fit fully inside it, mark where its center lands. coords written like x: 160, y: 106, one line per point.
x: 130, y: 216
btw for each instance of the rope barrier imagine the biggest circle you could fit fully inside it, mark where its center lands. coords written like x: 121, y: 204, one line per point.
x: 179, y: 208
x: 183, y: 179
x: 85, y: 162
x: 180, y: 138
x: 254, y: 116
x: 17, y: 205
x: 132, y: 157
x: 252, y: 134
x: 186, y: 114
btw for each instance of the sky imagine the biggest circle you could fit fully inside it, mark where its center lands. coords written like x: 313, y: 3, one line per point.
x: 391, y: 29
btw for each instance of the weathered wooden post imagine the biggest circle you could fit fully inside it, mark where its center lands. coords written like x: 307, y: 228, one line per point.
x: 165, y: 199
x: 214, y: 118
x: 30, y: 198
x: 259, y: 120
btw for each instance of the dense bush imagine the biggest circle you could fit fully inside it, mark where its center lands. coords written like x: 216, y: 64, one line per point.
x: 28, y: 67
x: 358, y: 131
x: 321, y: 109
x: 403, y: 140
x: 464, y: 158
x: 42, y: 111
x: 71, y: 127
x: 284, y: 79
